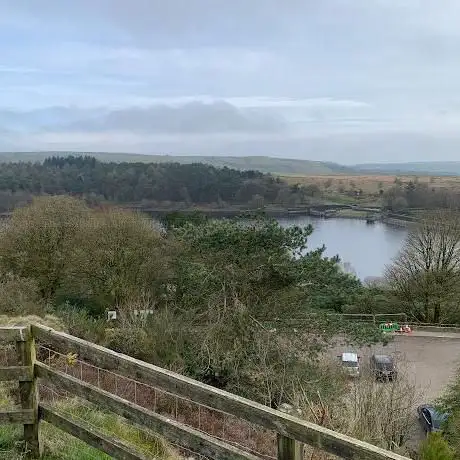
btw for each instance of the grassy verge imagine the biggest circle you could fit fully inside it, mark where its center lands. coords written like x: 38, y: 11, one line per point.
x: 352, y: 214
x: 61, y: 446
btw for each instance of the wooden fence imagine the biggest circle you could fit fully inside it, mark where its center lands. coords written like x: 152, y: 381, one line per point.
x: 292, y: 432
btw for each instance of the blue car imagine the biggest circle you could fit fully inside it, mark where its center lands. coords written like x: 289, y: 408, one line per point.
x: 430, y: 419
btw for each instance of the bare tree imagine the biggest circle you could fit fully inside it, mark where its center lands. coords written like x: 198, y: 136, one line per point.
x: 424, y: 276
x: 381, y: 413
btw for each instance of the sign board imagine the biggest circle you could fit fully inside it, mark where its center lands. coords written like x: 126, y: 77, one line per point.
x: 111, y: 315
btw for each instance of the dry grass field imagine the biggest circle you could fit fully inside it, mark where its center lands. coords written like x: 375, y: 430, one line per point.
x: 369, y: 184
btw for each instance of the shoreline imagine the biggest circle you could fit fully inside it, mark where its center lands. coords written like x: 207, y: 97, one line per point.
x: 325, y: 211
x: 282, y: 214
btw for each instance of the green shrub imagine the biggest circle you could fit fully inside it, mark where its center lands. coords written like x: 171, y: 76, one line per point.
x: 80, y: 323
x: 435, y: 447
x: 19, y: 296
x: 57, y: 443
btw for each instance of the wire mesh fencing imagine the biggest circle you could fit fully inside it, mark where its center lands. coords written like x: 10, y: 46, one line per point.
x: 220, y: 425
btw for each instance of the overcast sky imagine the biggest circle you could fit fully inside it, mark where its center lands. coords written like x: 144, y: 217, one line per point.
x: 340, y: 80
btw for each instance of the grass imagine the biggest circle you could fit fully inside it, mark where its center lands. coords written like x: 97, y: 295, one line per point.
x: 344, y: 188
x: 24, y: 320
x: 107, y: 423
x: 369, y: 184
x: 352, y: 214
x: 61, y: 446
x: 58, y: 445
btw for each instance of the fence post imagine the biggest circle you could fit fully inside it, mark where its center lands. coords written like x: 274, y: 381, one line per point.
x: 288, y: 449
x: 28, y: 394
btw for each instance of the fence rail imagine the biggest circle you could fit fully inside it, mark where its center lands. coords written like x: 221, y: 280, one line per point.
x: 361, y: 317
x: 170, y: 430
x: 292, y: 432
x: 375, y: 318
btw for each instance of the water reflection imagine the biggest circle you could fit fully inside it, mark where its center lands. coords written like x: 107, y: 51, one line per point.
x: 366, y: 248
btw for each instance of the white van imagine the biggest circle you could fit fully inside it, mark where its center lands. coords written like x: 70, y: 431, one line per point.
x: 350, y: 362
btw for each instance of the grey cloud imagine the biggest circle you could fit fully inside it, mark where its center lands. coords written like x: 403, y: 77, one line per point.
x: 194, y: 117
x: 341, y: 148
x: 161, y: 23
x: 354, y: 148
x: 338, y: 48
x: 44, y: 118
x: 189, y: 118
x: 258, y: 22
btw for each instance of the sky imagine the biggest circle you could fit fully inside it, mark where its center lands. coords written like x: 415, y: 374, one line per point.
x: 348, y: 81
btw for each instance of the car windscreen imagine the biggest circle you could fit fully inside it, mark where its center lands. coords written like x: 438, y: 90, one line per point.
x: 387, y: 366
x: 350, y: 363
x: 438, y: 419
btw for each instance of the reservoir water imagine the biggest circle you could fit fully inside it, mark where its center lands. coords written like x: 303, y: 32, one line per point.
x: 364, y: 249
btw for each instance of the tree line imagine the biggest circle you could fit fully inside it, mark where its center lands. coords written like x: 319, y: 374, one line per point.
x: 414, y: 194
x: 156, y: 184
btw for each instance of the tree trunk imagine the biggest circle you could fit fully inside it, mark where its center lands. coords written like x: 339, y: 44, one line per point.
x: 437, y: 313
x: 426, y: 319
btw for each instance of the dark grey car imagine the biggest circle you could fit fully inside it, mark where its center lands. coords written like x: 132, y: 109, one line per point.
x: 383, y: 367
x: 430, y: 419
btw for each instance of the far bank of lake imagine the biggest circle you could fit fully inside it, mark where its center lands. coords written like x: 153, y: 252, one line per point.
x: 328, y: 211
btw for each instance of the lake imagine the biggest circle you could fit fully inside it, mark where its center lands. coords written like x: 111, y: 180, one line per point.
x: 365, y: 248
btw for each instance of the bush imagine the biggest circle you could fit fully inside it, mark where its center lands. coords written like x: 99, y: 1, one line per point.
x: 117, y: 254
x: 19, y: 296
x: 158, y: 339
x: 38, y: 241
x: 58, y: 250
x: 435, y: 447
x: 364, y: 418
x: 79, y: 323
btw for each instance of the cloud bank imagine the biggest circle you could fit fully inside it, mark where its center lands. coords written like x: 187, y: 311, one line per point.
x: 339, y: 80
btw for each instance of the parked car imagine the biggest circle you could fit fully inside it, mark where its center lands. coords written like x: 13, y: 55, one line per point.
x: 431, y: 419
x: 350, y: 362
x: 383, y: 367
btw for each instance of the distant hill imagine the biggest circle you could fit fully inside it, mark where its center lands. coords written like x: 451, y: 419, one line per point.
x: 282, y: 166
x: 423, y: 168
x: 264, y: 164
